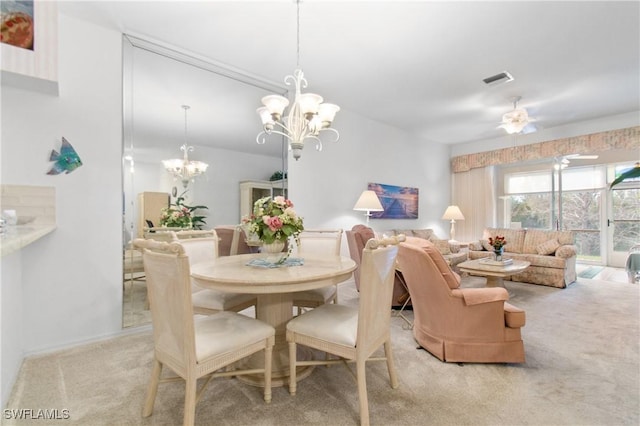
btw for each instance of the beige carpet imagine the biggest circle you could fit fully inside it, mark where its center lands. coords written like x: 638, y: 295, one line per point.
x: 582, y: 369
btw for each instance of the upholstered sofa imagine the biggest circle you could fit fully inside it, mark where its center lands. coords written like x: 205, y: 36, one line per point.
x: 552, y: 254
x: 451, y: 251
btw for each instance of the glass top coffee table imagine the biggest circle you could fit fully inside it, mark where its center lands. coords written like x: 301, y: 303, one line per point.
x: 494, y: 271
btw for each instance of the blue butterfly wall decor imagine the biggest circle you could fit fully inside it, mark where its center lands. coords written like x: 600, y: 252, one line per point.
x: 67, y: 160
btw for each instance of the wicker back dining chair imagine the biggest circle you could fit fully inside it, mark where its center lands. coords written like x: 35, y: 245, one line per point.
x: 194, y: 347
x: 201, y: 246
x: 353, y: 333
x: 325, y: 242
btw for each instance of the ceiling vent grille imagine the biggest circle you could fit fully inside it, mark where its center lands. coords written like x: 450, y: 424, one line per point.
x: 503, y: 77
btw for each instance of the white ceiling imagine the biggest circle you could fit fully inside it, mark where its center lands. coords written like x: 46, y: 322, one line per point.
x: 416, y: 65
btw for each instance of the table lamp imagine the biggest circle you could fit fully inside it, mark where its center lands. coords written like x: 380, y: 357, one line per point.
x: 453, y: 213
x: 368, y: 202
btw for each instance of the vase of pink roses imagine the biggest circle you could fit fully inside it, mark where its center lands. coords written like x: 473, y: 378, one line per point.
x: 274, y: 221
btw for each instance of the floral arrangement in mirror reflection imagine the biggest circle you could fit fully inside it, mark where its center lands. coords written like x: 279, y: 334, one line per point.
x: 175, y: 217
x: 274, y: 220
x: 180, y: 215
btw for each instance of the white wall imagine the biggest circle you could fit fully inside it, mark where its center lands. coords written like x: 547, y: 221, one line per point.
x: 71, y: 279
x: 325, y: 185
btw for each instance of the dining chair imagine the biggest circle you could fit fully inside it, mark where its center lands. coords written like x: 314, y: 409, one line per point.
x: 322, y: 242
x: 232, y: 240
x: 351, y: 333
x: 194, y: 347
x: 201, y: 246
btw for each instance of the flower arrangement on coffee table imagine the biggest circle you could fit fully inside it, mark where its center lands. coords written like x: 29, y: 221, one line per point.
x: 498, y: 244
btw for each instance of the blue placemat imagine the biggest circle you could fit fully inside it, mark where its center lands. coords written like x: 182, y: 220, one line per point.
x: 264, y: 263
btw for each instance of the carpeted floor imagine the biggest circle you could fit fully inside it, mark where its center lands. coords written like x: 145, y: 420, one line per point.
x: 582, y: 368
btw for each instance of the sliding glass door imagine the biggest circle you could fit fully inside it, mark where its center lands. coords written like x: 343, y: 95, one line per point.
x: 606, y: 222
x: 582, y: 214
x: 623, y: 222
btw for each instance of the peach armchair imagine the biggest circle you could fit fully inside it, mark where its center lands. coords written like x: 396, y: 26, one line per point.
x: 459, y: 324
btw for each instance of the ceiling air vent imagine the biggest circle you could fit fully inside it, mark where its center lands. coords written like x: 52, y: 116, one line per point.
x: 503, y: 77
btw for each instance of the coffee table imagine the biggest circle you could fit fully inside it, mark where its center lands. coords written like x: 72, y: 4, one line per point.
x: 494, y: 272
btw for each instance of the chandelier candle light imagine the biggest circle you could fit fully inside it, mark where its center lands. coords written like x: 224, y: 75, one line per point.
x: 307, y: 116
x: 184, y: 169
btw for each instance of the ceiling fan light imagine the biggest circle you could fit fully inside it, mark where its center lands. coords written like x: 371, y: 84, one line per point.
x: 513, y: 127
x: 515, y: 121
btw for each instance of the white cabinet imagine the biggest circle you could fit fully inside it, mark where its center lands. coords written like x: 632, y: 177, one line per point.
x: 252, y: 190
x: 150, y: 205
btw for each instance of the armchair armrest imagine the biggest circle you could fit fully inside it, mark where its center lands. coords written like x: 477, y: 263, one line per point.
x: 477, y: 296
x: 566, y: 251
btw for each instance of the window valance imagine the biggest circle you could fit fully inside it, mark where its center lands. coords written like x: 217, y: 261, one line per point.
x: 628, y: 138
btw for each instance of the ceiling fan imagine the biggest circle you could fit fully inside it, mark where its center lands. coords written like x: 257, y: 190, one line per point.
x: 565, y: 160
x: 517, y: 120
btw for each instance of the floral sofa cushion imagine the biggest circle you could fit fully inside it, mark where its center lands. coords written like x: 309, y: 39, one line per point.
x: 548, y: 247
x: 535, y: 237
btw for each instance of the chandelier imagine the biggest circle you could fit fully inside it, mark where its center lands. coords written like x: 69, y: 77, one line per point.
x: 516, y: 120
x: 183, y: 169
x: 308, y: 116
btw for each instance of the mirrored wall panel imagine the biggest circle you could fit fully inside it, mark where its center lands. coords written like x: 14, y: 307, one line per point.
x: 219, y: 126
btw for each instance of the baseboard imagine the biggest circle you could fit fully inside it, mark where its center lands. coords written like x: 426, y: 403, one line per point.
x: 93, y: 339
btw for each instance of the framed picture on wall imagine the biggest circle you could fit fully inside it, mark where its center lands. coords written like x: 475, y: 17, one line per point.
x: 399, y: 202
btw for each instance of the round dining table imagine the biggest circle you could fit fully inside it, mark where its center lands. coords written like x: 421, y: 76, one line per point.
x: 274, y: 288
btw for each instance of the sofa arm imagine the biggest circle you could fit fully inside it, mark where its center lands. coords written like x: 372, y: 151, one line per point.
x: 477, y: 296
x: 566, y: 251
x: 475, y: 246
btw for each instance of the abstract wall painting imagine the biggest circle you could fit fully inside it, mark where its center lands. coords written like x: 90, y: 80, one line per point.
x: 399, y: 202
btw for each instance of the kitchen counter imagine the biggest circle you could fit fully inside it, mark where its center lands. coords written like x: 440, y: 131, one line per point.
x: 15, y: 238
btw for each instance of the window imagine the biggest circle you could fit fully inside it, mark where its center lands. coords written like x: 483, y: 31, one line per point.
x: 528, y: 198
x: 533, y: 199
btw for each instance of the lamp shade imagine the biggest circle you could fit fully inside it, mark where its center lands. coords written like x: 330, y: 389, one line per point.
x: 368, y: 202
x: 453, y: 213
